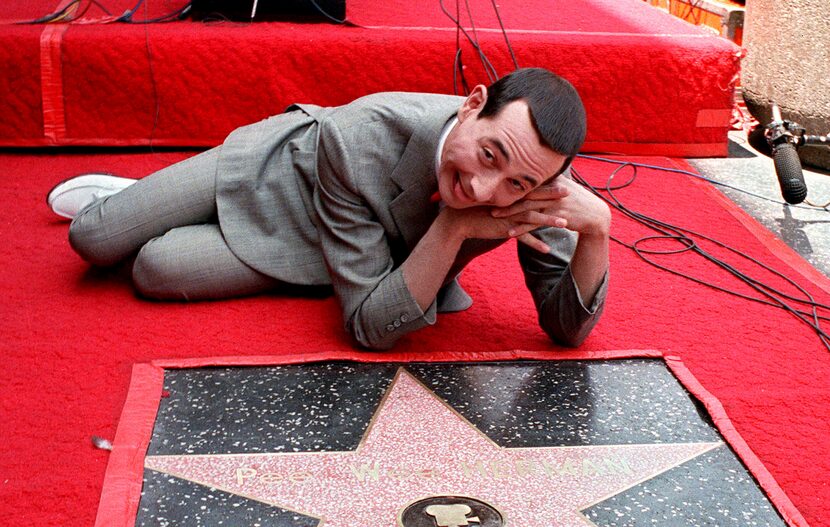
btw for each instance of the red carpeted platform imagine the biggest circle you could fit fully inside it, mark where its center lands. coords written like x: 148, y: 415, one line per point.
x: 71, y: 334
x: 652, y: 84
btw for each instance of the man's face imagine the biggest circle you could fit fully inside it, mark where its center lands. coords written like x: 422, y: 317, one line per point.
x: 493, y: 161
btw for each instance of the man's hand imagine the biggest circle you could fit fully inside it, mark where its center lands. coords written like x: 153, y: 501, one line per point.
x: 563, y: 203
x: 481, y: 223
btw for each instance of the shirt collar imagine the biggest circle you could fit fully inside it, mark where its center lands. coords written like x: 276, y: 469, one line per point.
x: 447, y: 129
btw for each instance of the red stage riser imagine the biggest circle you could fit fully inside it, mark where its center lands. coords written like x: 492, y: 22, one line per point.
x: 645, y: 93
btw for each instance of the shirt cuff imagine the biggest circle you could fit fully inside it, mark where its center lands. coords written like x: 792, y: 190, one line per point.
x: 599, y: 297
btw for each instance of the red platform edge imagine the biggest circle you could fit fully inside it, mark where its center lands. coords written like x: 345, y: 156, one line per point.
x: 774, y: 244
x: 733, y: 439
x: 57, y: 137
x: 125, y: 470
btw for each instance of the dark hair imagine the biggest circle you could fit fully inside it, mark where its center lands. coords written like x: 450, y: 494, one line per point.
x: 556, y: 110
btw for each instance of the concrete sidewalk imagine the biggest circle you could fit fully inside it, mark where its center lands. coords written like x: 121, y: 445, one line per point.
x: 804, y: 228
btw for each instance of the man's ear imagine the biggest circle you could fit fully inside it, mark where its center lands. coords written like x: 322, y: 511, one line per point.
x: 474, y: 102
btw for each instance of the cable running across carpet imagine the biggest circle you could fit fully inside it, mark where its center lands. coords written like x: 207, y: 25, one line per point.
x: 666, y: 231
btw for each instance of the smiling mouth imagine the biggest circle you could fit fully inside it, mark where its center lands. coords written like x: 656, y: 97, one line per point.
x: 460, y: 191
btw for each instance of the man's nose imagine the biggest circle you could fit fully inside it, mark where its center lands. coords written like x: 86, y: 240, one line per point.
x: 484, y: 186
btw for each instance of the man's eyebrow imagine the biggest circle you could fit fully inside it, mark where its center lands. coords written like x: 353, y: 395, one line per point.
x: 532, y: 181
x: 500, y: 146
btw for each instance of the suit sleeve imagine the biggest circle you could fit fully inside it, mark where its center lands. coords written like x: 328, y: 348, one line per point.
x: 377, y: 306
x: 562, y: 313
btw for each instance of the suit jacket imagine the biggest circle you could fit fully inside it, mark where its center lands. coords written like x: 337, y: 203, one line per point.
x: 341, y: 196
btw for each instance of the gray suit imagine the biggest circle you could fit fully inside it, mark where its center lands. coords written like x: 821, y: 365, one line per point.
x: 314, y: 196
x: 342, y: 195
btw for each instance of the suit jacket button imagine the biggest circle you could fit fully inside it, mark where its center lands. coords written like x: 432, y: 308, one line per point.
x: 390, y: 327
x: 397, y: 323
x: 405, y: 317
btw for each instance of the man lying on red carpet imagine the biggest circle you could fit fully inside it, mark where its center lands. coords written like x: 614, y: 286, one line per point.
x: 386, y: 199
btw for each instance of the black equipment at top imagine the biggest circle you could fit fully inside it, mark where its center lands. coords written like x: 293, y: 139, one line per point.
x: 268, y: 10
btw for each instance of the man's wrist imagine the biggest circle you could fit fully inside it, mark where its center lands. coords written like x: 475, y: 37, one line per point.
x: 451, y: 226
x: 600, y: 229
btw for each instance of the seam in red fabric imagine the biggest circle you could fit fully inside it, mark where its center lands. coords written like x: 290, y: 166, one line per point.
x: 51, y: 83
x: 659, y: 149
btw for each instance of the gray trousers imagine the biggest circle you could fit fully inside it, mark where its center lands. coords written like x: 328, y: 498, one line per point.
x: 169, y: 219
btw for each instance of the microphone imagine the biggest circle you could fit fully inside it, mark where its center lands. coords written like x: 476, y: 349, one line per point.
x: 788, y: 170
x: 785, y: 157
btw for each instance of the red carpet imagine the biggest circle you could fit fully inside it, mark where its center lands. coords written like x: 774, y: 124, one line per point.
x: 652, y: 84
x: 71, y: 336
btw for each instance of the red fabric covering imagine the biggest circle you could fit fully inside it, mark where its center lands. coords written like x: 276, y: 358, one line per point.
x: 70, y: 336
x: 651, y: 83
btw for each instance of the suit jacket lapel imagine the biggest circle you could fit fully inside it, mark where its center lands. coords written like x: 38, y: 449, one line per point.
x: 413, y: 210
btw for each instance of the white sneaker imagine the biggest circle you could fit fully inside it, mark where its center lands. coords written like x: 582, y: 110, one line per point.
x: 70, y: 196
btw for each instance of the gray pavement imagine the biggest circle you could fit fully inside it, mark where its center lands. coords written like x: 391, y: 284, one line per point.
x: 806, y: 229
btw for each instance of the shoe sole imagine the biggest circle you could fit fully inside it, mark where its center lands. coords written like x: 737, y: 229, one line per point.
x: 95, y: 182
x: 54, y: 188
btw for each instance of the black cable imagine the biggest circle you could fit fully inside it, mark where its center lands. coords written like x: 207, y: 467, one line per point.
x: 677, y: 234
x: 491, y: 73
x: 769, y: 295
x: 51, y: 16
x: 712, y: 181
x: 178, y: 14
x: 322, y: 12
x: 88, y: 5
x: 127, y: 15
x: 667, y: 234
x: 458, y: 63
x: 474, y: 43
x: 101, y: 6
x: 504, y: 33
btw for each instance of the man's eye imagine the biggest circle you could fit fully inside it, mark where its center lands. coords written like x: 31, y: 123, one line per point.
x: 517, y: 184
x: 488, y: 154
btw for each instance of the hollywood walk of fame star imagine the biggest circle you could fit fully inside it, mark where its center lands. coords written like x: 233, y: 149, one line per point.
x: 417, y: 446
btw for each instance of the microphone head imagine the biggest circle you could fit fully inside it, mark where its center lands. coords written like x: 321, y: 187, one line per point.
x: 788, y: 169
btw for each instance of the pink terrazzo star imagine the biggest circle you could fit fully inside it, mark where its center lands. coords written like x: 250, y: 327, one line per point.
x: 417, y: 446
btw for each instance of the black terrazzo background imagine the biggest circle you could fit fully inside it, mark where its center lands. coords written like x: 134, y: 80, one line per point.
x: 172, y: 502
x: 312, y: 407
x: 571, y: 403
x: 711, y: 490
x: 327, y: 407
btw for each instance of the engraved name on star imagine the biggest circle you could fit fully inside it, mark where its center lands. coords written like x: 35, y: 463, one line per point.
x: 416, y: 446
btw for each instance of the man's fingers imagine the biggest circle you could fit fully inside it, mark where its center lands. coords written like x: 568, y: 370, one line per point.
x: 523, y: 206
x: 534, y: 243
x: 553, y: 191
x: 546, y: 196
x: 520, y: 229
x: 539, y: 219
